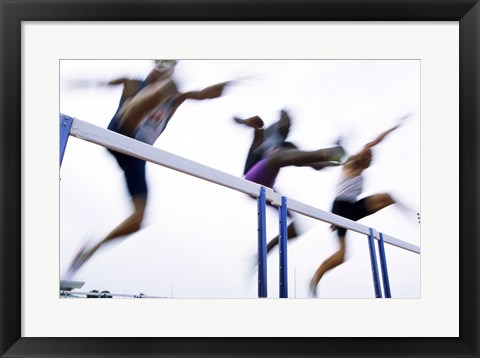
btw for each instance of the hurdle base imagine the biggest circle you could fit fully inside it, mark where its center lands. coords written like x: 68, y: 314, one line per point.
x: 69, y: 285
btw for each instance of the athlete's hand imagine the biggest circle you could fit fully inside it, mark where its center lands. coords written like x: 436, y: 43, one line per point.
x: 402, y: 119
x: 254, y: 122
x: 214, y: 91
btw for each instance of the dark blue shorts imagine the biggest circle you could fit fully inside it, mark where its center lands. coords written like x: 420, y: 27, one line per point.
x: 133, y: 168
x: 353, y: 211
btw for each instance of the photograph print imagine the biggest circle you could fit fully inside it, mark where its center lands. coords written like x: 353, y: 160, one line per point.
x: 154, y: 153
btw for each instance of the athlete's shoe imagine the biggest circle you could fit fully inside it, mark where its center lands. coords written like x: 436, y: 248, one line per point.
x: 337, y: 153
x: 312, y: 290
x: 78, y: 260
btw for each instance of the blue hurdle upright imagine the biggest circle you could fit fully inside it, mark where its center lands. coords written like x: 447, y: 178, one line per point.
x: 262, y: 247
x: 383, y: 266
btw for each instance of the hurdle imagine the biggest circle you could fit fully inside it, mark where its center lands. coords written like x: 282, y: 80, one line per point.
x: 70, y: 126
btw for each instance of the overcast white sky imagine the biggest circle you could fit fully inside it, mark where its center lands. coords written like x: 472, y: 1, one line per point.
x: 199, y: 240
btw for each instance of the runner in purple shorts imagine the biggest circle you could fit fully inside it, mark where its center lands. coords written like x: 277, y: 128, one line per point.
x: 270, y: 152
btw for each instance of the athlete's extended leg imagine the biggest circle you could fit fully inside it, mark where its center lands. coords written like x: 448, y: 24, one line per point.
x: 372, y: 204
x: 377, y: 202
x: 287, y: 157
x: 127, y: 227
x: 322, y: 165
x: 333, y: 261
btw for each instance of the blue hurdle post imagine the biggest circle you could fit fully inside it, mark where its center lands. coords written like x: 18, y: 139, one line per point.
x: 282, y: 241
x: 262, y: 245
x: 373, y: 261
x: 383, y: 265
x: 65, y: 126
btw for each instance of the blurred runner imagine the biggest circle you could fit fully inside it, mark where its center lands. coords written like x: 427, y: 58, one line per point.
x: 346, y: 203
x: 145, y: 108
x: 269, y: 152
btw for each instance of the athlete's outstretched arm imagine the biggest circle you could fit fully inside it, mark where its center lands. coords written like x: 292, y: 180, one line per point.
x: 384, y: 134
x: 380, y: 137
x: 130, y: 87
x: 210, y: 92
x: 118, y: 81
x: 255, y: 122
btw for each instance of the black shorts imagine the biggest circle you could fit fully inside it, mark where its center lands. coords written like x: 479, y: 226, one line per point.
x: 133, y: 168
x: 353, y: 211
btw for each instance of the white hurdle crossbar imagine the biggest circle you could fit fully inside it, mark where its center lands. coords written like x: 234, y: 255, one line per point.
x: 129, y: 146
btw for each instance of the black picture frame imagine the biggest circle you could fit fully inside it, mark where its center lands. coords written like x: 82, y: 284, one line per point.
x: 13, y: 12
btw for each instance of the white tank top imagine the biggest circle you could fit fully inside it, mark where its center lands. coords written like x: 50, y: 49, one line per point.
x: 151, y: 127
x: 349, y: 188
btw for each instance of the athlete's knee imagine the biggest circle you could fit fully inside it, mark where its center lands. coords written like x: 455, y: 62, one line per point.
x: 387, y: 199
x: 136, y: 221
x: 378, y: 202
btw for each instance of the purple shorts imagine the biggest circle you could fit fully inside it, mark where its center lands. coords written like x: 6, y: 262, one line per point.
x: 262, y: 175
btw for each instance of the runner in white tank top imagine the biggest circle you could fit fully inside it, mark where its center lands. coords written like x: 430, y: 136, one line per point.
x: 349, y: 188
x: 346, y: 203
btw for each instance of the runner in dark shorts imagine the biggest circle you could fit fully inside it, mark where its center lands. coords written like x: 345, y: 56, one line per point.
x: 347, y: 204
x: 143, y: 113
